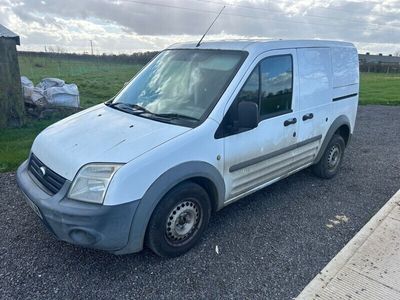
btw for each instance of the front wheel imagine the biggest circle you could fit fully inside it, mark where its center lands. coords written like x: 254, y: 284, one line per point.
x: 179, y: 220
x: 329, y: 163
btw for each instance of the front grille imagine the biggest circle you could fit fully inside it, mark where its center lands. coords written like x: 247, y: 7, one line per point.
x: 50, y: 180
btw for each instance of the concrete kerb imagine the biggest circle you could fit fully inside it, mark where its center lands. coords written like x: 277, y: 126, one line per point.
x: 322, y: 280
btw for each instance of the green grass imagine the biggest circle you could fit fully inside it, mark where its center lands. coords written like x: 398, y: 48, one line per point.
x: 15, y: 143
x: 99, y: 81
x: 377, y: 88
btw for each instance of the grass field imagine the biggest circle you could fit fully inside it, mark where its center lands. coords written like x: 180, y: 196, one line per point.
x: 378, y: 88
x: 98, y: 81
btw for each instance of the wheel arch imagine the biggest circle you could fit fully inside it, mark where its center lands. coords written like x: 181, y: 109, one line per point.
x: 344, y: 132
x: 202, y: 173
x: 342, y: 126
x: 209, y: 186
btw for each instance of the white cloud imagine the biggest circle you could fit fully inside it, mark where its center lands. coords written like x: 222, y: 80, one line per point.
x: 124, y: 26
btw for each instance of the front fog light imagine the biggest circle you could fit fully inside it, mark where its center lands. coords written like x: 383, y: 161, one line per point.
x: 91, y: 182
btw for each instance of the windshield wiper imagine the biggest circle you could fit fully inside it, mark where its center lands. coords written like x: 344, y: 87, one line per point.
x: 175, y: 116
x: 138, y: 109
x: 121, y: 106
x: 133, y: 108
x: 115, y: 104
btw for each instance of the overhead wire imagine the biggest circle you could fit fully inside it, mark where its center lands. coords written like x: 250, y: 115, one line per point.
x: 271, y: 19
x: 269, y: 10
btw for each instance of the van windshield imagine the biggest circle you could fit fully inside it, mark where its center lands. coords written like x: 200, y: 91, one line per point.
x: 180, y: 85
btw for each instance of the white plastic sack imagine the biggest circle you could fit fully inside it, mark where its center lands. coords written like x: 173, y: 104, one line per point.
x: 38, y: 97
x: 27, y: 92
x: 66, y: 95
x: 26, y: 82
x: 27, y: 87
x: 50, y: 82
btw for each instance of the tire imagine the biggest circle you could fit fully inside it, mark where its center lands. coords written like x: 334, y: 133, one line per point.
x: 179, y: 220
x: 328, y: 166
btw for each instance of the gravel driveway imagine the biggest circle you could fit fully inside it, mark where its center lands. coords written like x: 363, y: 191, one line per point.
x: 271, y: 244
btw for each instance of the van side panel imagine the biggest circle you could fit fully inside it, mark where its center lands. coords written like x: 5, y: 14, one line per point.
x: 315, y: 76
x: 315, y: 81
x: 345, y: 67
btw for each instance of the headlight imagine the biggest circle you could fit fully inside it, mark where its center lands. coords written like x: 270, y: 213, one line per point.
x: 91, y: 182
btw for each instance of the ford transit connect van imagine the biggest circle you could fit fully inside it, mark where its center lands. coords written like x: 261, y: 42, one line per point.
x: 197, y: 129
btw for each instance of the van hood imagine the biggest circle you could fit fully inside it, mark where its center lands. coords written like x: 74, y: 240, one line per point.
x: 99, y: 134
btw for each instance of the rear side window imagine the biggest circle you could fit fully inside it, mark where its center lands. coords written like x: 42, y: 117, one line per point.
x: 276, y: 85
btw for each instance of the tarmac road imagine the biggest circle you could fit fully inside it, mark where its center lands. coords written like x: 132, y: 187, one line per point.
x: 271, y: 244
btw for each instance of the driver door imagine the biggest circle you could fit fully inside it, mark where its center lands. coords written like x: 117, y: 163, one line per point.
x: 257, y: 157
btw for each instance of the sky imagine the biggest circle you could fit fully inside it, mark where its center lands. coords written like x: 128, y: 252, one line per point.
x: 126, y: 26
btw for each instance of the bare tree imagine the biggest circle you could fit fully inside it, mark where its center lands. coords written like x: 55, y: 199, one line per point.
x: 60, y: 50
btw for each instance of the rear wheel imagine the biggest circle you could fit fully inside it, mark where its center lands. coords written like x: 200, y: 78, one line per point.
x: 328, y: 166
x: 179, y: 220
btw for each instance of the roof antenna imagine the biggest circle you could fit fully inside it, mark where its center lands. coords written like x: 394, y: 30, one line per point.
x: 198, y: 44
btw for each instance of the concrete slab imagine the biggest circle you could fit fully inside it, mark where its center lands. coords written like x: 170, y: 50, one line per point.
x: 395, y: 213
x: 368, y: 267
x: 348, y: 284
x: 379, y: 257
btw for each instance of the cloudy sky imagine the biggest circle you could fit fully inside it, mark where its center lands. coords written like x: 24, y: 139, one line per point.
x: 125, y: 26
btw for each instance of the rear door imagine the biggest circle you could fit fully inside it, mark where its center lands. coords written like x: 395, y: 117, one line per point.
x: 259, y: 156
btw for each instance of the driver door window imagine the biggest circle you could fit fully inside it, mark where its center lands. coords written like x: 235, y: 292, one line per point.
x: 276, y: 86
x: 251, y: 90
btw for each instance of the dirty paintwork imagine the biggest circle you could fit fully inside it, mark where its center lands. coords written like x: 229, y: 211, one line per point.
x: 297, y: 117
x: 103, y: 135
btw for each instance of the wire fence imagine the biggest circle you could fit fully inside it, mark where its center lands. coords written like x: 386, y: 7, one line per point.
x: 71, y: 64
x: 38, y: 65
x: 378, y: 67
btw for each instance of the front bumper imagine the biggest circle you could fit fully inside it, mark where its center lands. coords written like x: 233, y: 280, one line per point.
x: 85, y: 224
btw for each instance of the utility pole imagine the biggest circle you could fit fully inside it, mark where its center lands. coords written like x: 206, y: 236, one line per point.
x: 91, y: 46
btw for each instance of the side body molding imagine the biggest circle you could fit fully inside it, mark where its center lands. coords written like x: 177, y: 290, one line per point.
x: 339, y: 121
x: 159, y: 188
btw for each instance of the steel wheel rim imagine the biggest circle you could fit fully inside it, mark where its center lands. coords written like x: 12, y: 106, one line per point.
x: 334, y: 157
x: 183, y: 222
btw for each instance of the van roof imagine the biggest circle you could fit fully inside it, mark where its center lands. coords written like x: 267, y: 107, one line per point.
x: 254, y: 45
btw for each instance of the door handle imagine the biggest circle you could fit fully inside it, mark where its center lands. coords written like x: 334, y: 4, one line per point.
x: 308, y: 116
x: 290, y: 122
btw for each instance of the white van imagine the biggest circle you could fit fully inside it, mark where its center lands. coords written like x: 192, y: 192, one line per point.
x: 197, y: 129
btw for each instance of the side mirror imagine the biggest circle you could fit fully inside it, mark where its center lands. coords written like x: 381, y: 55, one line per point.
x: 248, y: 115
x: 126, y: 83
